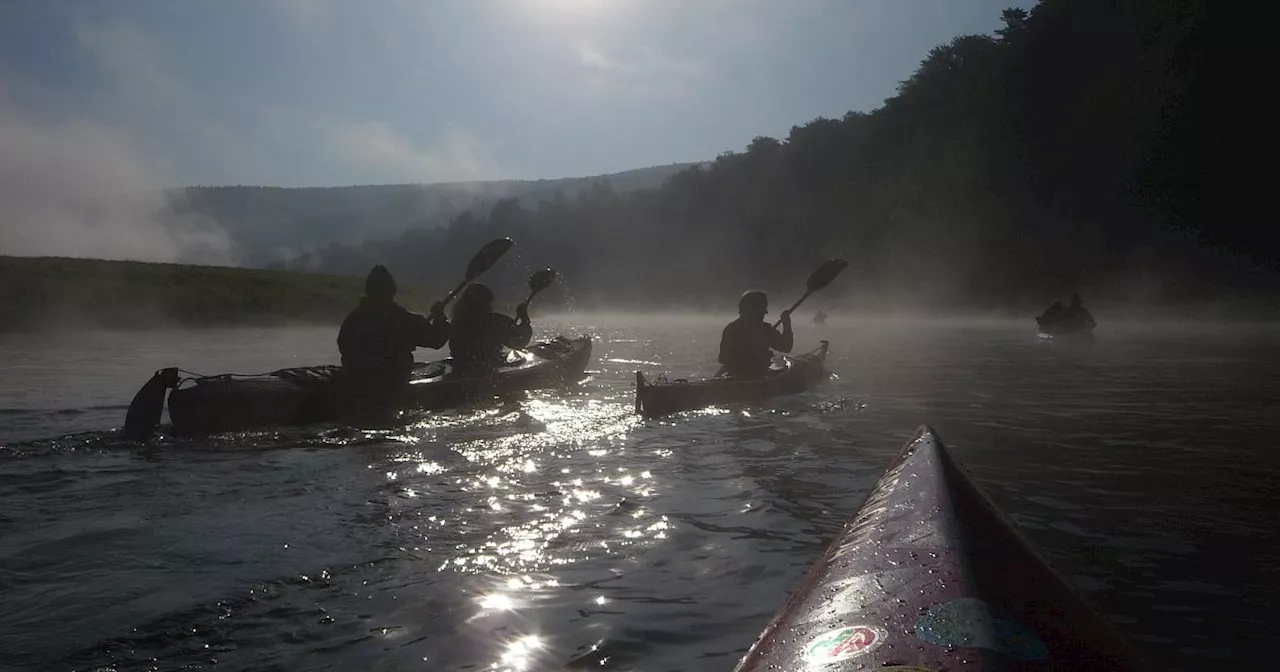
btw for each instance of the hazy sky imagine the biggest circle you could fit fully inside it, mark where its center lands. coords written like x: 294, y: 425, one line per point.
x: 325, y: 92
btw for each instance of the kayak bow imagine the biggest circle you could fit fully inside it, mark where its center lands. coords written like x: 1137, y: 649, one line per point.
x: 930, y: 575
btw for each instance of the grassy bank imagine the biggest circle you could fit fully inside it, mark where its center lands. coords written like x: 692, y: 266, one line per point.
x: 56, y: 292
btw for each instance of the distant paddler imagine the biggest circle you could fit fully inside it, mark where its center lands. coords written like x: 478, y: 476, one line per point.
x: 747, y: 343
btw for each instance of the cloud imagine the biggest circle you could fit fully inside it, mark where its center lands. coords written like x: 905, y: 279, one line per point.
x: 78, y: 188
x: 387, y: 156
x: 644, y: 72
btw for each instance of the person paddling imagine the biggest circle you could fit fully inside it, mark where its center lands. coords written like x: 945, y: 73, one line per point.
x: 1051, y: 316
x: 746, y: 343
x: 480, y: 334
x: 1077, y: 317
x: 378, y: 338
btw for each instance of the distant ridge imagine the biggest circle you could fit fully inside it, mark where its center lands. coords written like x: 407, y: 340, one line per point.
x: 268, y: 224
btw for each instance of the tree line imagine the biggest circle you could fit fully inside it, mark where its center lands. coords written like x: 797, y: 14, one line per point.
x: 1079, y: 147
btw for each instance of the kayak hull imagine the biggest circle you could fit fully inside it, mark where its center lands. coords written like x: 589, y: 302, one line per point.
x: 790, y: 376
x: 930, y: 575
x: 306, y: 395
x: 1085, y: 336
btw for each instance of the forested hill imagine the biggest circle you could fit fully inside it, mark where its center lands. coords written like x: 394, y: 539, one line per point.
x: 1081, y: 146
x: 269, y: 224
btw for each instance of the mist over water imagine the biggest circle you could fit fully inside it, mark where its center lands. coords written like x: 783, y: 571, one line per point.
x: 78, y: 188
x: 562, y: 529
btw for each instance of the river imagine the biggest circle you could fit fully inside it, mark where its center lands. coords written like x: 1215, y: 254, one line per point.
x: 562, y: 532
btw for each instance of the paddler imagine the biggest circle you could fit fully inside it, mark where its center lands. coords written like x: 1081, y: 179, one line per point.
x: 378, y: 338
x: 1077, y: 317
x: 746, y: 342
x: 1051, y: 316
x: 480, y: 334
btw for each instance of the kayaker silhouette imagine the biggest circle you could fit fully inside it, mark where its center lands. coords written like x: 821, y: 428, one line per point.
x: 378, y: 337
x: 1077, y: 317
x: 746, y: 342
x: 1052, y: 315
x: 480, y: 334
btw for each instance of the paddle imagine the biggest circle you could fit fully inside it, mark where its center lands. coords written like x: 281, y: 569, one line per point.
x: 485, y: 258
x: 538, y: 282
x: 820, y: 279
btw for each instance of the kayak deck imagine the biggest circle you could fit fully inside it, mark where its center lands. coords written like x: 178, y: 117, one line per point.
x: 790, y: 375
x: 307, y: 395
x: 930, y: 575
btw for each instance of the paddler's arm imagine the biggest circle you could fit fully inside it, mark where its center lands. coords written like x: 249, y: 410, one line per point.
x: 786, y: 340
x: 518, y: 333
x: 430, y: 332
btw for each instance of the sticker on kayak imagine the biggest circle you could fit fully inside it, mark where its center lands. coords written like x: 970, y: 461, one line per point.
x: 859, y: 592
x: 968, y: 621
x: 843, y: 643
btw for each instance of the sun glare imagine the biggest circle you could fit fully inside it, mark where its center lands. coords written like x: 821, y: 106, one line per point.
x: 583, y: 6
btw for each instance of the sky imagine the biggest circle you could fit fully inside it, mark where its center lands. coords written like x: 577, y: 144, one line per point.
x: 332, y: 92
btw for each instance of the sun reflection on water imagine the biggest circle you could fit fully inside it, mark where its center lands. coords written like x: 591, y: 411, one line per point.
x: 517, y: 503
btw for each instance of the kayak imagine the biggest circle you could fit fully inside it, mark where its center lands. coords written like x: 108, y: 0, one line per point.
x: 1082, y: 336
x: 789, y: 375
x: 930, y: 575
x: 305, y: 395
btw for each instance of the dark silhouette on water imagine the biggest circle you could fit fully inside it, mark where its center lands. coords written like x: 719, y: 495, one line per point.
x: 746, y: 343
x: 480, y: 334
x: 1074, y: 319
x: 378, y: 338
x: 1052, y: 314
x: 820, y: 318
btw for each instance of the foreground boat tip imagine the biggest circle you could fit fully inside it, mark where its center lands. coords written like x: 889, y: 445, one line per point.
x: 930, y: 575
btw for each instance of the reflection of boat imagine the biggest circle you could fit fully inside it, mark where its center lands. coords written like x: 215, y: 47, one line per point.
x: 305, y: 395
x: 930, y: 575
x: 820, y: 318
x: 789, y: 375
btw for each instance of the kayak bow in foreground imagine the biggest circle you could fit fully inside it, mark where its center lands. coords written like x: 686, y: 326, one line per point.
x: 929, y: 575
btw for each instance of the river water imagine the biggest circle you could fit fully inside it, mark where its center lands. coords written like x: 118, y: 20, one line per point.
x: 562, y: 532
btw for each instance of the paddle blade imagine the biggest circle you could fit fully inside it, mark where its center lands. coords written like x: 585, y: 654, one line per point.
x: 826, y: 273
x: 487, y: 257
x: 541, y: 280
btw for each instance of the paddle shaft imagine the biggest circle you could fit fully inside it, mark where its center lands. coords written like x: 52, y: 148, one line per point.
x: 453, y: 294
x: 793, y: 307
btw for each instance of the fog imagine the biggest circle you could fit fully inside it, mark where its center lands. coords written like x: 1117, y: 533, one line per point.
x: 77, y: 188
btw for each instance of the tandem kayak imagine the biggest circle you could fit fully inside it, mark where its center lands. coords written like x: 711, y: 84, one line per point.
x: 930, y: 575
x: 790, y: 375
x: 305, y: 395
